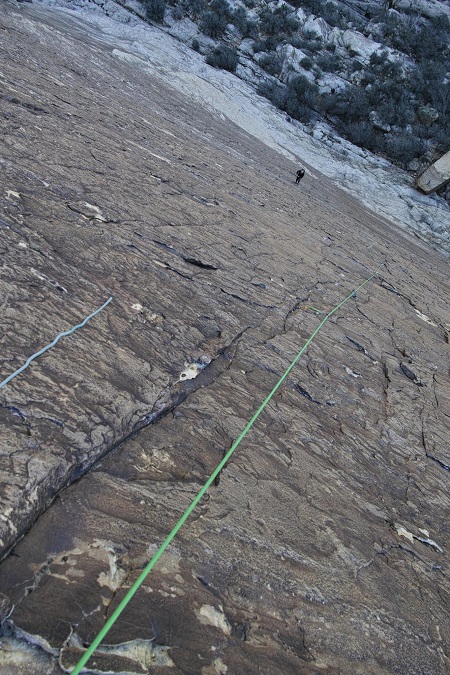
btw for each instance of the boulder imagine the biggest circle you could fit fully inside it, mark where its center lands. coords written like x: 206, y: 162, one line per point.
x: 331, y: 83
x: 292, y: 62
x: 354, y: 42
x: 435, y: 176
x: 413, y: 165
x: 359, y: 45
x: 378, y: 123
x: 427, y: 115
x: 318, y: 26
x: 428, y: 8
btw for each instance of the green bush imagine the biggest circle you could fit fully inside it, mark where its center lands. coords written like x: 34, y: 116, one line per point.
x: 154, y: 10
x: 245, y: 26
x: 279, y: 21
x: 309, y: 42
x: 300, y: 93
x: 363, y: 135
x: 223, y: 57
x: 329, y: 63
x: 268, y: 44
x: 403, y: 147
x: 276, y: 93
x: 194, y: 8
x: 350, y: 105
x: 271, y: 63
x: 306, y: 63
x: 213, y: 25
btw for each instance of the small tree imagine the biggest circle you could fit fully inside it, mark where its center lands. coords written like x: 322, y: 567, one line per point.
x: 271, y: 63
x: 244, y: 25
x: 223, y: 57
x: 154, y: 10
x: 214, y: 22
x: 404, y: 147
x: 194, y: 8
x: 280, y: 21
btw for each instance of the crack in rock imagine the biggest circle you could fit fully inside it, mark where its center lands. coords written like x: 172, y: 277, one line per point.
x: 187, y: 259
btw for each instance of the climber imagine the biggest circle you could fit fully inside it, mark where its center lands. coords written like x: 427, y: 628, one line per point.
x: 300, y: 174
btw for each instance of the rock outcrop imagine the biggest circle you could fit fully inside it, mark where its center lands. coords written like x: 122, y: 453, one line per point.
x: 436, y: 175
x: 323, y: 548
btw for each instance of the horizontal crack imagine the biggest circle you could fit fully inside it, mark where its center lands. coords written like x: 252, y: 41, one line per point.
x: 187, y: 259
x: 247, y: 302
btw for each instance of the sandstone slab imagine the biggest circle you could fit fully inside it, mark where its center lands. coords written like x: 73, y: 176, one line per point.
x: 323, y: 548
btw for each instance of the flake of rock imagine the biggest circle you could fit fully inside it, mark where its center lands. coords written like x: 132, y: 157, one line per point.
x: 190, y: 372
x: 410, y: 374
x: 351, y: 372
x: 403, y: 532
x: 88, y: 211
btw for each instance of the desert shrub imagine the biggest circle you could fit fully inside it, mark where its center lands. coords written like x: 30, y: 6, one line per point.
x: 354, y: 66
x: 421, y: 41
x: 396, y: 113
x: 194, y: 8
x: 214, y: 21
x: 213, y: 25
x: 333, y: 15
x: 303, y: 113
x: 300, y: 93
x: 351, y: 105
x: 440, y: 99
x: 297, y: 99
x: 415, y: 36
x: 403, y: 147
x: 314, y: 6
x: 306, y: 63
x: 271, y: 63
x: 221, y: 7
x: 309, y: 41
x: 428, y: 81
x: 440, y: 137
x: 362, y: 134
x: 154, y: 10
x: 279, y: 21
x: 329, y: 63
x: 267, y: 44
x: 223, y: 57
x: 245, y: 26
x: 177, y: 13
x: 274, y: 92
x: 381, y: 64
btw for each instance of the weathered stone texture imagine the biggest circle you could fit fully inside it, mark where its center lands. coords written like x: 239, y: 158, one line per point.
x: 324, y: 548
x: 436, y: 175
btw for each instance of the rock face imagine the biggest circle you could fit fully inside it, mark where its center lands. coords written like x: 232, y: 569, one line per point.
x: 324, y: 547
x: 356, y: 43
x: 436, y: 176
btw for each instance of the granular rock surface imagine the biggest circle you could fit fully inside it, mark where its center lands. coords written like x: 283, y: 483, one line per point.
x: 324, y: 546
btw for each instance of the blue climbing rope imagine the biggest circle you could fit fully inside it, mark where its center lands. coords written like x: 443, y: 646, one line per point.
x: 52, y: 344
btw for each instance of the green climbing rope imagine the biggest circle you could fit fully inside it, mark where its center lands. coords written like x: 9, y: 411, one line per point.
x: 146, y: 571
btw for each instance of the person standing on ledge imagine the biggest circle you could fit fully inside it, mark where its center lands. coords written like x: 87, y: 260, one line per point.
x: 300, y: 174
